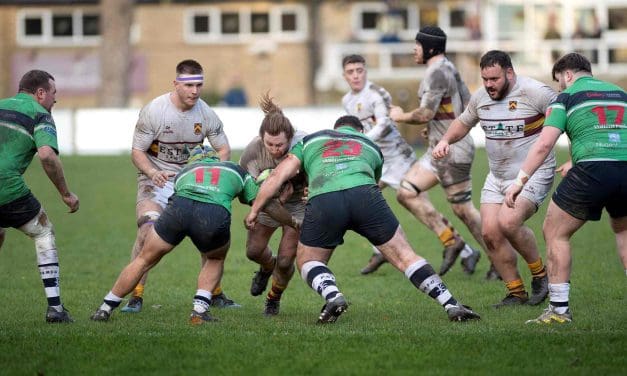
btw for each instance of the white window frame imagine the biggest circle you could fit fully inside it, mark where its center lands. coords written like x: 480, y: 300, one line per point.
x: 245, y: 35
x: 444, y: 19
x: 46, y: 38
x: 379, y: 7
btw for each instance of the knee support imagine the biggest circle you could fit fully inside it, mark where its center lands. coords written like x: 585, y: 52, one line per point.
x: 41, y: 231
x: 148, y: 217
x: 460, y: 197
x: 410, y: 187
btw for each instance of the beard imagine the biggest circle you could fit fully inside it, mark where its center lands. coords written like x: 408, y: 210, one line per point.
x: 500, y: 94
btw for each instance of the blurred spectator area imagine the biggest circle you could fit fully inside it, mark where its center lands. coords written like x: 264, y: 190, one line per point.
x: 535, y: 33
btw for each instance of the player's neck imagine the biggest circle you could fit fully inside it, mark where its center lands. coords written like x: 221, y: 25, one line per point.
x: 435, y: 59
x: 178, y: 104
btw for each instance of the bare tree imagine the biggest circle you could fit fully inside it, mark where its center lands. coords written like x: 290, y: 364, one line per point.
x: 116, y: 17
x: 313, y: 47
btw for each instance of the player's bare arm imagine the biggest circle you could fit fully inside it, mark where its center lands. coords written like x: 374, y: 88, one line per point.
x: 455, y: 132
x: 224, y: 152
x: 143, y: 164
x: 537, y: 154
x: 420, y: 115
x: 54, y: 169
x: 287, y: 169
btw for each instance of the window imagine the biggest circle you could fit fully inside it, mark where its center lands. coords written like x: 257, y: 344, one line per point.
x: 230, y: 23
x: 201, y: 24
x: 617, y: 18
x: 219, y: 25
x: 510, y: 21
x: 62, y: 25
x: 48, y: 27
x: 374, y: 21
x: 259, y: 23
x: 33, y: 26
x: 288, y: 21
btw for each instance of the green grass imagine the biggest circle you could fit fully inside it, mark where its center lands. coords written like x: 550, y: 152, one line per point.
x: 390, y: 327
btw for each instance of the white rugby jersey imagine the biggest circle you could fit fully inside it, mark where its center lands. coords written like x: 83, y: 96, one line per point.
x: 443, y: 92
x: 167, y: 134
x: 512, y: 124
x: 372, y: 106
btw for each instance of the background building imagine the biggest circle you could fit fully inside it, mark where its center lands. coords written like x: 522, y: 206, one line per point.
x: 294, y: 48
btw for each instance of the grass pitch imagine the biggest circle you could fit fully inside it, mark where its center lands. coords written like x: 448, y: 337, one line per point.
x: 390, y: 327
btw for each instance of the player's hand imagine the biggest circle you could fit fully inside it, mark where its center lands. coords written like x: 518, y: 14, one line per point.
x: 441, y: 150
x: 160, y: 177
x: 250, y: 220
x: 564, y: 168
x: 71, y: 200
x: 511, y: 194
x: 396, y: 113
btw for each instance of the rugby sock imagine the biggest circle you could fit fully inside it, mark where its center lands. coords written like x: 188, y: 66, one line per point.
x: 447, y: 237
x: 466, y: 252
x: 138, y: 291
x: 558, y: 296
x: 422, y: 275
x: 320, y: 278
x: 537, y: 269
x: 202, y: 300
x: 48, y: 264
x: 217, y: 291
x: 276, y: 290
x: 516, y: 287
x: 110, y: 302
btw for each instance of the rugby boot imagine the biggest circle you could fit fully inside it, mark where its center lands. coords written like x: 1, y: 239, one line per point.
x: 197, y: 318
x: 272, y: 307
x: 100, y: 315
x: 54, y: 316
x: 469, y: 264
x: 260, y: 280
x: 375, y: 262
x: 222, y: 301
x: 539, y: 290
x: 333, y: 309
x: 134, y: 305
x: 492, y: 274
x: 461, y: 312
x: 512, y: 300
x: 549, y: 316
x: 450, y: 254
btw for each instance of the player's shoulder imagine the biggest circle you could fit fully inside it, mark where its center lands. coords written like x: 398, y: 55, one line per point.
x: 377, y: 89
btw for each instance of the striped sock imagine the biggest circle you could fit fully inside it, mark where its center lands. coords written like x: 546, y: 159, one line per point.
x: 138, y: 291
x: 48, y: 264
x: 558, y: 296
x: 217, y: 291
x: 537, y: 269
x: 110, y: 302
x: 320, y: 278
x: 202, y: 300
x: 422, y: 275
x: 276, y: 290
x: 447, y: 237
x: 516, y: 288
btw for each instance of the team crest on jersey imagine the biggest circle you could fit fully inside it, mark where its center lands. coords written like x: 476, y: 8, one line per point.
x: 358, y: 107
x: 513, y: 105
x: 197, y: 128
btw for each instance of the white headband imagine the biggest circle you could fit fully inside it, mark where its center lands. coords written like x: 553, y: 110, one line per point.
x: 190, y: 78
